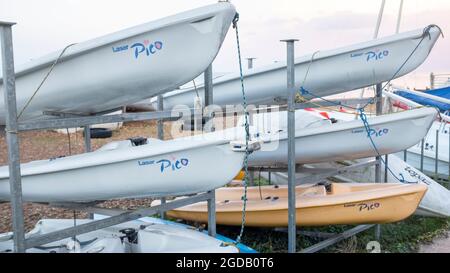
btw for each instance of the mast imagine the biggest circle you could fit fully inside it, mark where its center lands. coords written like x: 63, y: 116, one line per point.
x: 380, y: 17
x: 399, y: 19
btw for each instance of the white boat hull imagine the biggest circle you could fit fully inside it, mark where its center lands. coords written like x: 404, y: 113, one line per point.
x: 436, y: 202
x: 154, y: 170
x: 349, y: 140
x: 323, y: 73
x: 155, y: 238
x: 108, y: 72
x: 430, y: 148
x: 429, y: 163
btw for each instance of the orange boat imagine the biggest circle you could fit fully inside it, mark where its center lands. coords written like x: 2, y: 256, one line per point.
x: 317, y: 205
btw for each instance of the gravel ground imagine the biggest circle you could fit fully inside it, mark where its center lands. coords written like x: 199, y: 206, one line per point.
x: 439, y: 245
x: 38, y: 145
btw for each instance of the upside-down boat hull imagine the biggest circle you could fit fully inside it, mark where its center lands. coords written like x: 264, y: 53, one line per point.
x: 124, y: 67
x: 346, y: 204
x: 163, y: 169
x: 323, y: 73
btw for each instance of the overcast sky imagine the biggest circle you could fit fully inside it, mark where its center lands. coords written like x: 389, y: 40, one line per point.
x: 48, y: 25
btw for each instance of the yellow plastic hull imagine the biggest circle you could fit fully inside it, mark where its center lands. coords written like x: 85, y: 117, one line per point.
x: 349, y: 204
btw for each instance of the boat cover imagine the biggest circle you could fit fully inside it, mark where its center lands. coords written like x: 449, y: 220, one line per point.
x: 442, y: 92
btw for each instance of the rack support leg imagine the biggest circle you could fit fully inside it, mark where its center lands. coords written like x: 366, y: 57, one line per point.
x: 12, y: 140
x: 292, y: 221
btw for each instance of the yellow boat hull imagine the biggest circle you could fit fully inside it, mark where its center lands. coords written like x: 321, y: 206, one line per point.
x: 341, y: 204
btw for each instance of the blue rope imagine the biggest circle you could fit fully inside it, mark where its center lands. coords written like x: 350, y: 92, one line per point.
x: 365, y: 121
x: 366, y: 124
x: 303, y: 91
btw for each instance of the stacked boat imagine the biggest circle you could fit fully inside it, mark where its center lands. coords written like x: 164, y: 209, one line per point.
x: 146, y: 235
x: 151, y: 59
x: 123, y: 67
x: 316, y: 205
x: 322, y: 73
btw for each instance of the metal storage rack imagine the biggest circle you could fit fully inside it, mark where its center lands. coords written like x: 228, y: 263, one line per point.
x: 118, y: 216
x: 61, y: 120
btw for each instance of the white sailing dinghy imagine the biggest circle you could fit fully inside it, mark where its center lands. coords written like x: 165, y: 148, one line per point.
x: 324, y: 72
x: 124, y: 67
x: 131, y: 237
x: 325, y: 140
x: 143, y: 169
x: 321, y: 139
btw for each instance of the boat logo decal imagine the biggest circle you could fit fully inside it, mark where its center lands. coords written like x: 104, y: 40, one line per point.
x: 413, y: 174
x: 145, y: 48
x: 376, y: 55
x: 166, y: 164
x: 378, y: 132
x: 372, y: 132
x: 364, y: 206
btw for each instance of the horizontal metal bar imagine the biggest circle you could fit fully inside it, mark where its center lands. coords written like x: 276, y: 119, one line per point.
x: 73, y: 122
x: 328, y: 103
x: 114, y: 220
x: 325, y: 175
x: 312, y: 234
x: 275, y: 169
x: 336, y: 239
x: 5, y: 23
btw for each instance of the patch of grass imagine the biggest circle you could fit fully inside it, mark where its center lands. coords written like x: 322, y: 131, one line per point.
x: 401, y: 237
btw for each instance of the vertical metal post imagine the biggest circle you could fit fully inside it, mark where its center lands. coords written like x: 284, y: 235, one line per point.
x: 292, y: 223
x: 386, y: 166
x: 160, y: 123
x: 209, y: 98
x: 163, y: 214
x: 436, y: 160
x: 87, y: 139
x: 160, y: 127
x: 251, y: 178
x: 87, y: 149
x: 422, y: 151
x: 379, y: 111
x: 212, y: 201
x: 250, y: 63
x: 432, y: 79
x: 12, y: 140
x: 405, y: 155
x: 212, y: 214
x: 208, y: 86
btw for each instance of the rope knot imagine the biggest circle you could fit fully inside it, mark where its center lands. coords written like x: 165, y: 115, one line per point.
x: 235, y: 20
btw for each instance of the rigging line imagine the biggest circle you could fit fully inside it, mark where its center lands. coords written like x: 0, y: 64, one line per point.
x: 425, y: 34
x: 195, y: 87
x: 309, y: 67
x: 366, y: 124
x: 247, y: 129
x: 43, y: 80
